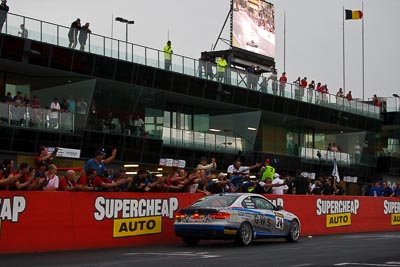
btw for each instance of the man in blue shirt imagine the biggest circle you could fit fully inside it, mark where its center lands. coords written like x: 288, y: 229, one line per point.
x: 387, y: 190
x: 98, y: 162
x: 376, y: 190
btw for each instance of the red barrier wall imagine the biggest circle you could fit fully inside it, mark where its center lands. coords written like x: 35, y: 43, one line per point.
x: 43, y: 221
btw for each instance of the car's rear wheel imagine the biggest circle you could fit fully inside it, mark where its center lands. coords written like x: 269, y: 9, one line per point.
x: 294, y: 231
x: 245, y: 234
x: 190, y: 241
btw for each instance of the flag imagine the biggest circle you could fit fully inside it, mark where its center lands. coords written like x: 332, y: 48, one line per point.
x: 353, y: 14
x: 335, y: 172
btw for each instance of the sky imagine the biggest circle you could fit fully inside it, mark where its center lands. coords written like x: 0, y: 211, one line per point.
x: 314, y: 29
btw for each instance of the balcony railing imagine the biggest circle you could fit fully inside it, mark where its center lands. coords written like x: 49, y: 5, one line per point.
x: 58, y: 35
x: 38, y: 118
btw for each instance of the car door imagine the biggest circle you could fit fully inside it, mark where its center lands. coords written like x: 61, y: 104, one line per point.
x: 271, y: 220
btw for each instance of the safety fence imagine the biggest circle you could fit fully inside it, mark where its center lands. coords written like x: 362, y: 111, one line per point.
x: 50, y: 221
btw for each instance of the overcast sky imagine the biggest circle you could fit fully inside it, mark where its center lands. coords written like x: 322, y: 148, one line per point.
x: 313, y: 33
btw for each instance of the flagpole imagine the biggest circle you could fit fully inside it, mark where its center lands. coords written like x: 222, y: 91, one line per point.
x: 284, y: 41
x: 344, y: 63
x: 363, y: 54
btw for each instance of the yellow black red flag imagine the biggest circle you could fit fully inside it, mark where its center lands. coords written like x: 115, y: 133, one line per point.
x: 353, y: 14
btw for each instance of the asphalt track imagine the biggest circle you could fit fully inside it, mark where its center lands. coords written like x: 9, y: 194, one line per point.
x: 373, y: 249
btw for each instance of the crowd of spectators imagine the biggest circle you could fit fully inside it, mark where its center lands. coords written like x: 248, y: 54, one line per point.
x: 95, y: 176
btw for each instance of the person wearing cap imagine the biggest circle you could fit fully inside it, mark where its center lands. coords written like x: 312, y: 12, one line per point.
x: 73, y: 33
x: 282, y: 188
x: 98, y: 162
x: 3, y: 13
x: 83, y: 35
x: 168, y: 55
x: 207, y: 167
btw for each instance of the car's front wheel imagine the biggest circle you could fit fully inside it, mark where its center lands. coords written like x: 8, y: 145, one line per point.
x: 294, y: 231
x: 245, y: 234
x: 190, y: 241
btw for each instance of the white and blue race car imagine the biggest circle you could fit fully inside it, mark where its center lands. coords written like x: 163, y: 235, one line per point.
x: 242, y: 217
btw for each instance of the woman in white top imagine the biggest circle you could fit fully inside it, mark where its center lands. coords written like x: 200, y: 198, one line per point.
x: 52, y: 181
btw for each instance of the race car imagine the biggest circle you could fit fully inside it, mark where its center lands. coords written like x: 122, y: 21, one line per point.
x: 242, y: 217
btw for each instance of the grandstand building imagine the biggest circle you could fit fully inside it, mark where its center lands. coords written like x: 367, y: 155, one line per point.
x: 124, y: 98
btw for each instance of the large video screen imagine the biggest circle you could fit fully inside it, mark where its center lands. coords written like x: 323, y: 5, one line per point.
x: 254, y: 26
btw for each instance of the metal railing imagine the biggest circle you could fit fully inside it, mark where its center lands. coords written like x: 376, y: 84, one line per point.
x: 37, y: 118
x: 101, y: 45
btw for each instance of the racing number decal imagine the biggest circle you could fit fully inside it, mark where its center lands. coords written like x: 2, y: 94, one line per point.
x: 279, y: 220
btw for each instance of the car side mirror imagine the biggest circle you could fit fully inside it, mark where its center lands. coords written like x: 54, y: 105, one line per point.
x: 278, y: 207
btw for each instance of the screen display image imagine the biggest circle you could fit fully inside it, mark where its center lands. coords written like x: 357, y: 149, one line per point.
x: 254, y: 26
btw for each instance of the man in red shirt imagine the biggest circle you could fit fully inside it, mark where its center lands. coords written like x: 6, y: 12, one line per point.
x: 67, y: 183
x: 303, y: 85
x: 282, y: 84
x: 19, y: 179
x: 86, y: 181
x: 349, y: 97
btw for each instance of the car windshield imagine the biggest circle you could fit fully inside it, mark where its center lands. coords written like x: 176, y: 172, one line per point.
x: 215, y: 201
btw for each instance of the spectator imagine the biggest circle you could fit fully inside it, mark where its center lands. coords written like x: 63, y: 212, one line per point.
x: 73, y: 33
x: 221, y: 68
x: 311, y: 89
x: 236, y: 172
x: 39, y: 177
x: 209, y: 69
x: 349, y: 97
x: 98, y: 162
x: 64, y: 106
x: 317, y: 190
x: 24, y: 32
x: 102, y: 183
x: 138, y: 182
x: 250, y: 76
x: 3, y: 13
x: 86, y: 181
x: 18, y: 99
x: 68, y: 183
x: 397, y: 191
x: 340, y: 93
x: 44, y: 156
x: 83, y: 35
x: 168, y: 56
x: 301, y: 185
x: 138, y: 124
x: 25, y: 181
x: 71, y: 104
x: 282, y: 188
x: 328, y: 187
x: 81, y: 109
x: 7, y: 179
x: 52, y: 181
x: 267, y: 171
x: 202, y: 64
x: 375, y: 101
x: 274, y: 78
x: 55, y: 109
x: 325, y: 92
x: 207, y: 167
x: 303, y: 86
x: 17, y: 179
x: 339, y: 188
x: 376, y: 190
x: 257, y: 75
x: 296, y: 86
x: 282, y: 84
x: 8, y: 98
x: 8, y: 165
x: 387, y: 190
x: 318, y: 93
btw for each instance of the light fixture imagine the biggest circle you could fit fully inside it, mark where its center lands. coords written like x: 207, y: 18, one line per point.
x: 131, y: 173
x: 251, y: 128
x: 131, y: 165
x: 214, y: 130
x: 159, y: 169
x: 159, y: 175
x: 252, y: 176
